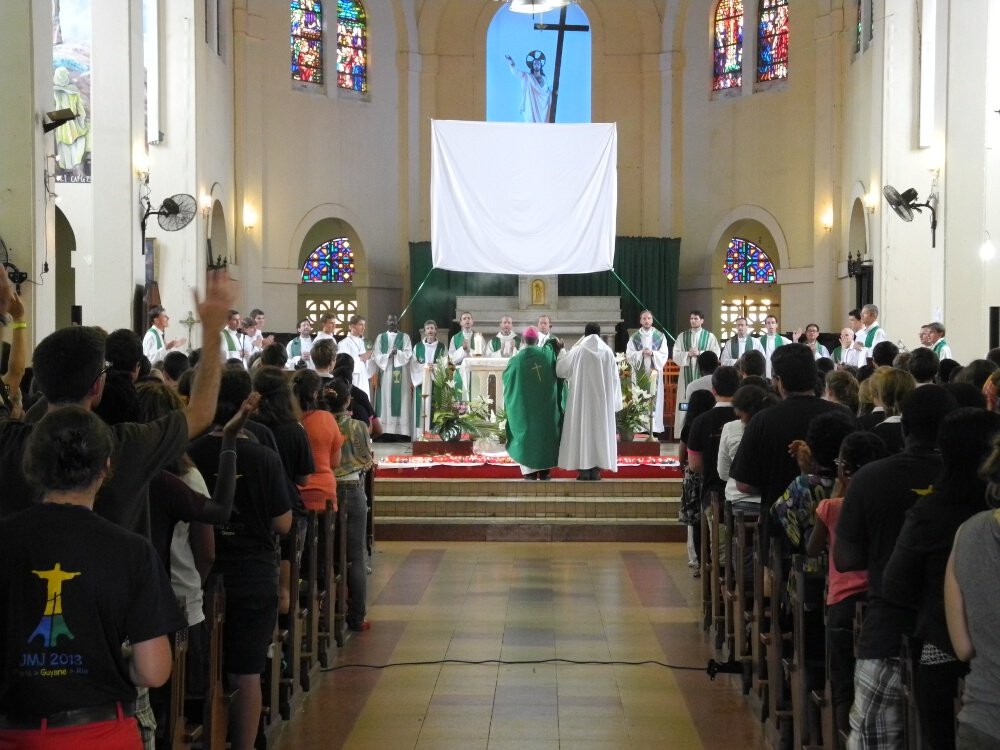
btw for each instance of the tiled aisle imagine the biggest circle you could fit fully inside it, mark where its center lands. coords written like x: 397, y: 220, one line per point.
x: 519, y: 602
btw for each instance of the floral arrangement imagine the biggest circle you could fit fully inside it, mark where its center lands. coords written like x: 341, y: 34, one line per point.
x: 636, y: 397
x: 453, y: 418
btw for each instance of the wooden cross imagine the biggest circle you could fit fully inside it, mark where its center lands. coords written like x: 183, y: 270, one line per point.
x: 562, y: 27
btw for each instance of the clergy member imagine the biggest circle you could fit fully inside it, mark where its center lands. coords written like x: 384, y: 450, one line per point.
x: 354, y: 345
x: 230, y: 338
x: 428, y: 354
x: 259, y: 341
x: 392, y: 399
x: 935, y: 340
x: 506, y: 343
x: 299, y: 347
x: 533, y: 409
x: 740, y: 343
x: 155, y: 344
x: 544, y: 326
x: 589, y: 442
x: 648, y: 350
x: 868, y: 335
x: 465, y: 343
x: 812, y: 341
x: 687, y: 347
x: 841, y: 354
x: 771, y: 340
x: 851, y: 355
x: 327, y: 324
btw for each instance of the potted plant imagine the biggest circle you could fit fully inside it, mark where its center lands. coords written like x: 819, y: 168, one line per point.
x: 455, y: 419
x: 636, y: 400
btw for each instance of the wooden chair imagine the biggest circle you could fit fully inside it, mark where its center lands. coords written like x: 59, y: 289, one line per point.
x: 215, y: 706
x: 803, y: 663
x: 271, y: 722
x: 759, y: 692
x: 291, y: 679
x: 705, y: 570
x: 176, y: 733
x: 714, y: 512
x: 727, y: 582
x: 332, y: 607
x: 744, y: 606
x: 773, y: 640
x: 313, y: 595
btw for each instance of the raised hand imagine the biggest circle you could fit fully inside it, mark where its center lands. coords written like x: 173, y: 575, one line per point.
x: 220, y: 296
x: 239, y: 419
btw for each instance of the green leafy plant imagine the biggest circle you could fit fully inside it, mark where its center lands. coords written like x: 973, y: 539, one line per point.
x: 454, y: 418
x: 636, y: 397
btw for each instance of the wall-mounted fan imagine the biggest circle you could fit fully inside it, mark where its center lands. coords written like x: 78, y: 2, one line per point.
x: 174, y: 213
x: 16, y: 275
x: 905, y: 203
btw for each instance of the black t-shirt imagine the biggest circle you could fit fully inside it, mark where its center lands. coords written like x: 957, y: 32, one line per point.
x: 141, y: 450
x: 170, y: 501
x: 361, y: 406
x: 74, y: 587
x: 870, y: 519
x: 245, y: 551
x: 294, y: 449
x: 891, y: 434
x: 762, y: 460
x: 706, y: 432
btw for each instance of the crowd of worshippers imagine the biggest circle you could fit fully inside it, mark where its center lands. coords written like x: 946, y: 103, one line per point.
x: 891, y: 469
x: 122, y: 492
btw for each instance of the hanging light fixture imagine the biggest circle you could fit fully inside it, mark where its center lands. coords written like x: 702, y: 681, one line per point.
x: 530, y: 6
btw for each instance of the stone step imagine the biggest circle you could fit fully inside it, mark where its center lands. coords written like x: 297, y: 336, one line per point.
x: 520, y: 508
x: 507, y: 488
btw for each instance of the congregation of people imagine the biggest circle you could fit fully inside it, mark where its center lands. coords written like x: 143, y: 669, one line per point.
x: 134, y: 473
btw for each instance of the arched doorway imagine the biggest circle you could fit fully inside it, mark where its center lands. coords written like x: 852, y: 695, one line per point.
x: 65, y: 241
x: 857, y: 250
x: 329, y: 257
x: 218, y: 235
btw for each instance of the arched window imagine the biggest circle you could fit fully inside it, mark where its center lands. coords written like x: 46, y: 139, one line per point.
x: 772, y: 40
x: 857, y: 41
x: 352, y: 46
x: 747, y: 264
x: 728, y: 50
x: 330, y: 263
x: 307, y: 41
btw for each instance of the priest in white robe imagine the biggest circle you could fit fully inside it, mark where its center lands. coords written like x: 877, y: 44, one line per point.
x: 739, y: 344
x: 771, y: 340
x: 648, y: 350
x: 687, y: 347
x: 392, y: 352
x: 506, y: 343
x: 589, y: 440
x: 354, y: 344
x: 465, y: 343
x: 544, y: 326
x: 868, y: 335
x: 428, y: 355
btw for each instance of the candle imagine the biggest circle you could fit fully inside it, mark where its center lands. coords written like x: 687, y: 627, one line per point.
x: 427, y: 380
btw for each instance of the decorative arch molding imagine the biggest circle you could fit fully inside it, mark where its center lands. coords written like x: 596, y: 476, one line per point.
x: 346, y: 220
x: 749, y: 212
x: 859, y: 193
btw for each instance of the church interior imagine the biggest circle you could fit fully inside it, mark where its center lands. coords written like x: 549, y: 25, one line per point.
x: 796, y: 158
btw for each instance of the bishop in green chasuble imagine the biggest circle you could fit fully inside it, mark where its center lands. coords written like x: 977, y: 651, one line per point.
x: 533, y: 406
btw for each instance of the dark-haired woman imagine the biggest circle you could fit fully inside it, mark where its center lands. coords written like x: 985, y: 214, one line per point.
x: 75, y: 588
x: 700, y: 402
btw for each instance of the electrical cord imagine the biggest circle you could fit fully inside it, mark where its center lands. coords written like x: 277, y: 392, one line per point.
x: 505, y: 662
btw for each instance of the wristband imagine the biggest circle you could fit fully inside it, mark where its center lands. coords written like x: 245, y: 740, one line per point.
x: 18, y: 325
x: 228, y: 450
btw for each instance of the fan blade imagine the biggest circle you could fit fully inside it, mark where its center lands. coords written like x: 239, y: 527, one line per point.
x: 169, y: 207
x: 904, y: 212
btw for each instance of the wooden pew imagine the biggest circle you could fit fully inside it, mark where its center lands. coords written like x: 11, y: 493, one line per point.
x: 313, y: 595
x: 176, y: 734
x: 215, y: 706
x: 714, y: 511
x: 290, y: 699
x: 705, y: 570
x: 759, y: 692
x: 804, y: 663
x: 369, y: 482
x: 908, y: 656
x: 331, y: 622
x: 745, y: 613
x: 727, y: 581
x: 271, y: 723
x: 773, y: 640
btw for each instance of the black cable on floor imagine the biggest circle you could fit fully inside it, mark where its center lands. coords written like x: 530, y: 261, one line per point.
x: 505, y: 662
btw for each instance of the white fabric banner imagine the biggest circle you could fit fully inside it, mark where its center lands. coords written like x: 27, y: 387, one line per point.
x: 523, y: 198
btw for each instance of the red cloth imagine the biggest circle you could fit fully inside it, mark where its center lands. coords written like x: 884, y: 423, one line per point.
x: 325, y: 438
x: 118, y: 734
x: 839, y: 585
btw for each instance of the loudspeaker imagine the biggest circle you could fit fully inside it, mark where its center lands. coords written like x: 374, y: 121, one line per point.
x: 76, y: 315
x: 994, y: 327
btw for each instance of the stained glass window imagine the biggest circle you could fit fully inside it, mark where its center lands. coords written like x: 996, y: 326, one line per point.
x: 747, y: 264
x: 330, y: 263
x: 857, y: 42
x: 772, y: 40
x: 352, y: 46
x: 307, y: 41
x: 728, y: 52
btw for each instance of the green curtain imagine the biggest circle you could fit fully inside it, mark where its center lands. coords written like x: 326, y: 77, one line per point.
x: 647, y: 265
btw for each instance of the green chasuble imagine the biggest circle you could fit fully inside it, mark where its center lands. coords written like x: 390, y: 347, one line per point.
x: 394, y: 373
x: 870, y: 336
x: 534, y: 413
x: 440, y: 360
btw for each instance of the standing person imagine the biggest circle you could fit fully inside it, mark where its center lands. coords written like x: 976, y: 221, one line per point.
x: 687, y: 347
x: 771, y: 340
x: 355, y: 459
x: 702, y: 402
x: 935, y: 340
x: 842, y: 354
x: 324, y: 439
x: 260, y: 341
x: 812, y: 341
x: 155, y: 344
x: 851, y: 355
x: 544, y: 325
x: 428, y: 352
x: 298, y: 349
x: 354, y: 345
x: 648, y: 350
x: 588, y: 442
x: 393, y: 352
x: 534, y: 414
x: 871, y: 518
x: 739, y: 344
x: 866, y: 337
x: 230, y: 345
x: 82, y: 587
x: 465, y: 343
x: 327, y: 324
x: 506, y: 342
x: 536, y: 93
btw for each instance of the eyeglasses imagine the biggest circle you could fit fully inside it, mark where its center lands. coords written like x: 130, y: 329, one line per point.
x: 842, y: 464
x: 104, y: 371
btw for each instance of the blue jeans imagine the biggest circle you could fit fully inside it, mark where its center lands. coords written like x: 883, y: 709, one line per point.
x: 355, y: 504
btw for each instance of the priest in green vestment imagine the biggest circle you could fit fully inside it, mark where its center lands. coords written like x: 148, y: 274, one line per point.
x: 533, y: 406
x: 392, y: 353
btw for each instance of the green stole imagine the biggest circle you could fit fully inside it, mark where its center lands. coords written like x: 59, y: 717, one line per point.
x: 778, y: 341
x: 396, y: 391
x: 496, y: 344
x: 295, y: 347
x: 870, y: 336
x: 941, y: 344
x: 838, y: 354
x: 159, y: 338
x: 734, y: 347
x: 691, y: 371
x: 231, y: 347
x: 456, y: 341
x: 420, y: 355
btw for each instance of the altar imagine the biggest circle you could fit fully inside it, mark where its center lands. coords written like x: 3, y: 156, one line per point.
x: 483, y: 378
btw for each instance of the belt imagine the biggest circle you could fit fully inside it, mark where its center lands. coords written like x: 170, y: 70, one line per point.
x: 72, y: 718
x: 351, y: 483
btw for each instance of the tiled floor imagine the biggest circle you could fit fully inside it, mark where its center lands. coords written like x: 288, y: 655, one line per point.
x: 526, y: 602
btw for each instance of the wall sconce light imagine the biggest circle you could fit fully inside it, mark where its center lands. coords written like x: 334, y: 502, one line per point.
x: 205, y: 203
x: 826, y: 220
x: 871, y: 201
x: 140, y: 162
x: 987, y: 251
x: 249, y: 217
